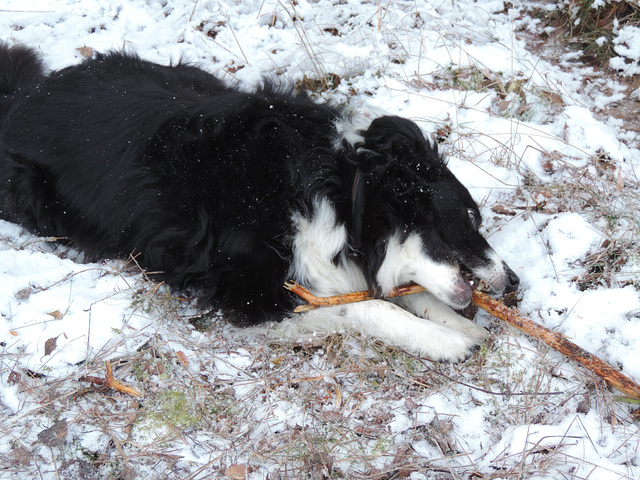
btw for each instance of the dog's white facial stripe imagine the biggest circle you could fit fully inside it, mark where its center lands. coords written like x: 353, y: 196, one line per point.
x: 408, y: 261
x: 316, y: 243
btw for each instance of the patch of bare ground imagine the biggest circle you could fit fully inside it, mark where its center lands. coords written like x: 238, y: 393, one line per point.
x: 577, y: 38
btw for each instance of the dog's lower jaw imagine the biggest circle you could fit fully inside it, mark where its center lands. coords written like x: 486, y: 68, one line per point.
x: 460, y: 294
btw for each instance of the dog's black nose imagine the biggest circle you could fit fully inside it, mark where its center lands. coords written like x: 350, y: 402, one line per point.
x: 514, y: 281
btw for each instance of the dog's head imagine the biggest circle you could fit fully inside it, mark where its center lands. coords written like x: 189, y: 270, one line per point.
x: 413, y: 221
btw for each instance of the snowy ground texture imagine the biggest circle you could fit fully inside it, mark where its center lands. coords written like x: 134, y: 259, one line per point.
x: 536, y: 136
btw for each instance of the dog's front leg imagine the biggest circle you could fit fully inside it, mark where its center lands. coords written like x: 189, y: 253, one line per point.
x: 391, y: 324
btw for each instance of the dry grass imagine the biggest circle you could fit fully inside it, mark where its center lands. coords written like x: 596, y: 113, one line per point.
x: 222, y: 403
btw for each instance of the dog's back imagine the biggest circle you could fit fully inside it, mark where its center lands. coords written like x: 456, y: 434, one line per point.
x: 124, y: 156
x: 20, y: 68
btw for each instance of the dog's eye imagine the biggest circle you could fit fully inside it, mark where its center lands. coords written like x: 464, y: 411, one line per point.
x: 473, y: 217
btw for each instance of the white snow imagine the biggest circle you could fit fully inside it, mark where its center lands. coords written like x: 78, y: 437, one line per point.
x: 627, y: 45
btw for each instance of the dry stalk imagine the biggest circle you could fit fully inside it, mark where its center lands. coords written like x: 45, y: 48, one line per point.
x: 110, y: 382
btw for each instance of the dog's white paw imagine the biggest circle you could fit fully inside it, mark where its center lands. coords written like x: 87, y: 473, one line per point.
x: 451, y: 347
x: 467, y: 327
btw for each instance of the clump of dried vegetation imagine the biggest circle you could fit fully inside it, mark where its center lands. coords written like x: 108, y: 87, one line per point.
x: 217, y: 404
x: 589, y: 25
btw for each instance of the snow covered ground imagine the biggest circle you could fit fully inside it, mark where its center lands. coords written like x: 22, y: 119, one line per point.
x: 528, y: 132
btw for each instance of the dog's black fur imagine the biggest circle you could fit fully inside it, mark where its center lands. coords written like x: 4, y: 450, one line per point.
x: 202, y: 180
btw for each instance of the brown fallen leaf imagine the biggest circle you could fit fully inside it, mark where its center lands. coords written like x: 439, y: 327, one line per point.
x: 86, y: 52
x: 552, y: 97
x: 55, y: 435
x: 619, y: 180
x: 56, y: 314
x: 502, y: 210
x: 24, y: 294
x: 236, y: 471
x: 14, y: 377
x: 50, y: 345
x: 182, y: 358
x: 20, y: 456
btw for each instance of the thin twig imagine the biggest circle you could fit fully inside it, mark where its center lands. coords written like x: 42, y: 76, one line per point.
x: 109, y: 382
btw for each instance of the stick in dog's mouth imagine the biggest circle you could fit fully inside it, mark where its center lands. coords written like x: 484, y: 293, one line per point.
x: 314, y: 302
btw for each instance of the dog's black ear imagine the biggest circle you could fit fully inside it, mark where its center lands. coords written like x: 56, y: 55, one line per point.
x: 361, y: 182
x: 394, y: 138
x: 396, y: 147
x: 400, y: 141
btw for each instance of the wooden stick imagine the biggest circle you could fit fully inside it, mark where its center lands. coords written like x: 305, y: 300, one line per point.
x: 315, y: 302
x: 558, y: 342
x: 500, y: 311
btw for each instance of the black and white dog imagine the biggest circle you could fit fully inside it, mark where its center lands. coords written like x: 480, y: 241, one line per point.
x: 230, y: 193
